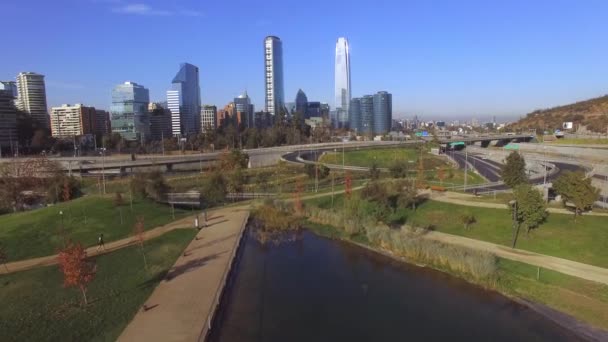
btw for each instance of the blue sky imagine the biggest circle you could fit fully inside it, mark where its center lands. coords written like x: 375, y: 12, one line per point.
x: 441, y: 59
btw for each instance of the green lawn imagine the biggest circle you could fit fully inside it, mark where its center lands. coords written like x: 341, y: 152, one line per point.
x: 36, y: 307
x: 579, y: 141
x: 37, y: 233
x: 383, y: 157
x: 583, y: 299
x: 584, y: 241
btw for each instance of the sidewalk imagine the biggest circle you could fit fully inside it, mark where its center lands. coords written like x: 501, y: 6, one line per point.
x: 27, y: 264
x: 180, y: 307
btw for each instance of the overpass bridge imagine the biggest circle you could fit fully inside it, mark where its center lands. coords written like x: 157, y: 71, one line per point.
x: 486, y: 140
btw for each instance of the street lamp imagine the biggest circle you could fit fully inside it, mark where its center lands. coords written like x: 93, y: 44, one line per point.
x: 513, y: 206
x: 103, y: 168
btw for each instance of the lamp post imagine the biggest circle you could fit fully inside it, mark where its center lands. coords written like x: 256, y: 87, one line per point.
x: 62, y: 226
x: 103, y: 168
x: 513, y: 205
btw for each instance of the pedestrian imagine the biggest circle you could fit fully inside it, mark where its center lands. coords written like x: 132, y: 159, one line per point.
x: 100, y: 243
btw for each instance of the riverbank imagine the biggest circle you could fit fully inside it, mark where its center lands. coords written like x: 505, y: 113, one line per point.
x: 575, y: 304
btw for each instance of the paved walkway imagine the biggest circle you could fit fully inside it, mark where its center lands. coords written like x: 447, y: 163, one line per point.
x: 27, y: 264
x: 573, y: 268
x: 179, y: 309
x: 468, y: 200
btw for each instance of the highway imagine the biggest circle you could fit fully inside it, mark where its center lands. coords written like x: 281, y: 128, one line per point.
x: 488, y: 169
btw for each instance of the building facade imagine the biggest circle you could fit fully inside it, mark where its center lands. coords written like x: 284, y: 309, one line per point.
x: 301, y: 104
x: 367, y: 114
x: 10, y: 87
x: 354, y: 115
x: 273, y: 75
x: 72, y: 121
x: 129, y: 111
x: 32, y: 97
x: 184, y: 101
x: 8, y: 119
x: 160, y: 121
x: 342, y: 76
x: 244, y: 110
x: 383, y: 112
x: 208, y: 118
x: 103, y: 124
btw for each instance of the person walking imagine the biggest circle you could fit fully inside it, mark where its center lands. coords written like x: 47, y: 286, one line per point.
x: 100, y: 243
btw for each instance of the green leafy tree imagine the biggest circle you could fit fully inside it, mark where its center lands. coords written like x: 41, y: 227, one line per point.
x: 531, y: 209
x: 514, y: 171
x: 213, y: 190
x: 576, y: 189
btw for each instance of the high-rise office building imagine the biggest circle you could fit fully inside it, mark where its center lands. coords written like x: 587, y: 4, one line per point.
x: 273, y: 75
x: 184, y: 101
x: 8, y: 118
x: 342, y: 75
x: 208, y: 118
x: 383, y: 112
x: 102, y: 122
x: 10, y: 87
x: 129, y: 111
x: 301, y: 104
x: 354, y: 115
x: 160, y: 121
x: 72, y: 121
x: 244, y: 110
x: 32, y: 97
x: 367, y: 114
x: 225, y: 115
x: 313, y: 110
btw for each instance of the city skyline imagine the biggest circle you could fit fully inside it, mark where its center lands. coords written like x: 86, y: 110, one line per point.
x: 448, y: 61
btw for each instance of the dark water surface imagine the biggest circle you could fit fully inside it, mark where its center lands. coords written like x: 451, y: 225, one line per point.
x: 316, y: 289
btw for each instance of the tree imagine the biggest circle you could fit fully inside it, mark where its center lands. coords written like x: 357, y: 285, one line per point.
x: 232, y: 160
x: 374, y: 171
x: 149, y: 185
x: 420, y: 179
x: 398, y: 168
x: 118, y: 201
x: 236, y: 180
x: 348, y: 185
x: 514, y: 171
x: 77, y: 270
x: 576, y: 189
x: 138, y: 233
x: 3, y: 257
x: 531, y: 207
x: 467, y: 219
x: 297, y: 198
x: 213, y: 190
x: 407, y: 194
x: 316, y: 170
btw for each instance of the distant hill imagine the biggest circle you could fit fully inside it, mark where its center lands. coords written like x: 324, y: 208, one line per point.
x: 591, y: 115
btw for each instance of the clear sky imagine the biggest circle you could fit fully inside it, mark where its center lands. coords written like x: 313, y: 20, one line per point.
x: 441, y: 59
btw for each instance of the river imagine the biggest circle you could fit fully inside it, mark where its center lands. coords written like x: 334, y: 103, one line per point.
x: 317, y: 289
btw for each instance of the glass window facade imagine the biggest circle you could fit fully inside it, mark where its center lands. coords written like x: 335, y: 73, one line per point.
x: 354, y: 114
x: 383, y: 112
x: 273, y: 75
x: 367, y: 114
x: 129, y: 111
x: 184, y: 101
x: 342, y: 79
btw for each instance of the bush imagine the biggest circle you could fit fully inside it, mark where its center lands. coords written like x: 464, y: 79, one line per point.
x: 149, y: 185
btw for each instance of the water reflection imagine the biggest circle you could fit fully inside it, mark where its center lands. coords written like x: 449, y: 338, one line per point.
x: 315, y: 289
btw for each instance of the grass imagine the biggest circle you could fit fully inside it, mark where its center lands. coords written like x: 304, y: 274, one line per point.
x: 37, y: 233
x: 585, y: 241
x: 579, y: 141
x: 36, y: 307
x: 580, y: 298
x: 383, y: 157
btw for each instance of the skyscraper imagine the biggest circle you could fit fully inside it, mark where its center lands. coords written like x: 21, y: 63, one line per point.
x: 342, y: 74
x: 32, y: 97
x: 129, y: 111
x: 367, y: 114
x: 354, y: 115
x: 383, y: 112
x: 184, y: 101
x: 273, y: 71
x: 208, y: 117
x: 72, y: 121
x: 244, y: 110
x: 8, y: 118
x: 301, y: 104
x: 10, y: 87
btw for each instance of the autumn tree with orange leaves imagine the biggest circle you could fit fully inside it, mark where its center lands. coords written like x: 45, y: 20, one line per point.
x: 77, y: 270
x: 138, y: 233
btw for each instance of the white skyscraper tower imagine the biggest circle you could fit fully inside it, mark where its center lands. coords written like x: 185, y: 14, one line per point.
x: 32, y: 96
x: 273, y: 75
x: 342, y: 99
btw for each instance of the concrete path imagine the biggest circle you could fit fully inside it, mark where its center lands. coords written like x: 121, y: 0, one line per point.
x: 27, y: 264
x: 573, y: 268
x: 180, y: 307
x: 467, y: 200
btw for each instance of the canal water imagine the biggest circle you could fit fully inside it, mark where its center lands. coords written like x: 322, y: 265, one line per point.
x: 317, y: 289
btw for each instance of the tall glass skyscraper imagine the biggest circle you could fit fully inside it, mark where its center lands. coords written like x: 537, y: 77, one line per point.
x: 383, y: 112
x: 184, y: 101
x: 273, y: 63
x: 342, y: 76
x: 367, y: 114
x: 129, y: 111
x: 301, y: 104
x: 244, y: 110
x: 354, y: 115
